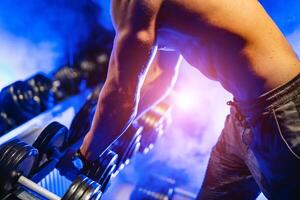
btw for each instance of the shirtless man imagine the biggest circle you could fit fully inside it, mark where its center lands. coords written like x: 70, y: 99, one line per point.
x: 235, y: 43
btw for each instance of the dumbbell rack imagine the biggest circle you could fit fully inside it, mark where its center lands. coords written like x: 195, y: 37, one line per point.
x: 48, y: 177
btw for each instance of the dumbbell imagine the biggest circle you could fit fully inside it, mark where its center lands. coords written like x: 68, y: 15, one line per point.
x: 162, y: 108
x: 6, y: 123
x: 127, y: 145
x: 102, y: 170
x: 19, y: 102
x: 82, y: 121
x: 95, y: 68
x: 152, y: 129
x: 42, y: 87
x: 16, y: 162
x: 155, y: 188
x: 134, y: 148
x: 50, y: 143
x: 67, y: 82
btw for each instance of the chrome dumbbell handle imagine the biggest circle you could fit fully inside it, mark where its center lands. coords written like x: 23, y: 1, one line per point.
x: 36, y: 188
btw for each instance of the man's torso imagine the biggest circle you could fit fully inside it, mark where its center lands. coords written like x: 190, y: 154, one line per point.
x: 234, y: 42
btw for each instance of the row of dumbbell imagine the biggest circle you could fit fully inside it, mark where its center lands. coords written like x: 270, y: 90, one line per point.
x: 159, y: 187
x: 55, y: 139
x: 23, y: 100
x: 53, y: 144
x: 20, y: 160
x: 16, y: 163
x: 47, y: 150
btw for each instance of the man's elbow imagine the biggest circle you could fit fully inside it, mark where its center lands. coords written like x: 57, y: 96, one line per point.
x: 144, y: 38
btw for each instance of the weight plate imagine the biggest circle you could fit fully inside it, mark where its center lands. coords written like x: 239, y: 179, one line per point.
x: 42, y: 87
x: 132, y: 146
x: 94, y: 191
x: 26, y: 161
x: 162, y: 108
x: 87, y: 189
x: 81, y: 189
x: 133, y: 149
x: 105, y: 179
x: 54, y: 136
x: 91, y: 71
x: 7, y: 150
x: 73, y: 188
x: 125, y: 143
x: 151, y: 119
x: 106, y: 169
x: 6, y: 123
x: 17, y: 156
x: 101, y: 170
x: 4, y: 147
x: 83, y: 120
x: 106, y: 160
x: 96, y: 196
x: 69, y: 80
x: 19, y: 102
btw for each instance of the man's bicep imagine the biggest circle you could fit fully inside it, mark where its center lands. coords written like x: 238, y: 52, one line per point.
x: 129, y: 61
x: 138, y: 14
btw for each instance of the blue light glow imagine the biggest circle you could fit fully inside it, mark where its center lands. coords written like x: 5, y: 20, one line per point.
x: 41, y: 35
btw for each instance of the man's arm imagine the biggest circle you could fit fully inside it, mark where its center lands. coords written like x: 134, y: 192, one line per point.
x: 134, y: 22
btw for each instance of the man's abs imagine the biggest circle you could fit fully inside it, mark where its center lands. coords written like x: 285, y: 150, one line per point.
x: 234, y: 42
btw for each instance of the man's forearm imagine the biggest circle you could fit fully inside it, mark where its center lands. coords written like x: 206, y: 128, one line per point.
x: 114, y: 114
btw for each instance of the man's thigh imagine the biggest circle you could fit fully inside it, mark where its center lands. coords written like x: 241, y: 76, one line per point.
x: 227, y: 176
x: 276, y: 149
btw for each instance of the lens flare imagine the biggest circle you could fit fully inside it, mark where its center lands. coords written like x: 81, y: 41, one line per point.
x: 184, y: 100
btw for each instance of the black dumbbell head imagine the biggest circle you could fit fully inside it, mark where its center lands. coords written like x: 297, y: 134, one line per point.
x: 83, y: 188
x: 102, y: 169
x: 125, y: 145
x: 42, y: 87
x: 17, y: 157
x: 53, y: 137
x: 94, y: 68
x: 67, y: 81
x: 134, y: 148
x: 6, y: 123
x: 19, y: 102
x: 82, y: 121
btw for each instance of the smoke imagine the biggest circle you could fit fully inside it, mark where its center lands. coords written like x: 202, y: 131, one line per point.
x: 41, y: 35
x: 20, y: 58
x: 183, y: 152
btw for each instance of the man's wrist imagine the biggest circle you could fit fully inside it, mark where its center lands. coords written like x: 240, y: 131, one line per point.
x: 81, y: 156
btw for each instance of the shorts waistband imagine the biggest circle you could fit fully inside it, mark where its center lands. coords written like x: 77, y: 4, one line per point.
x: 272, y: 99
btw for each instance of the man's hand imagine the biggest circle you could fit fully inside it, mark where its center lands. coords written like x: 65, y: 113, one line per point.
x: 70, y: 164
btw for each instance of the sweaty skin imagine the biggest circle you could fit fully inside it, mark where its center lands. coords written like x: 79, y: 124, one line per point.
x: 233, y: 42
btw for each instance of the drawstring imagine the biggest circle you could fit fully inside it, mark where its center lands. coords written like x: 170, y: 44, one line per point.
x: 238, y: 114
x: 246, y: 137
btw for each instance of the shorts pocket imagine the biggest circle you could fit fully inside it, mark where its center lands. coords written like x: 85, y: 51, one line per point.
x: 288, y: 122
